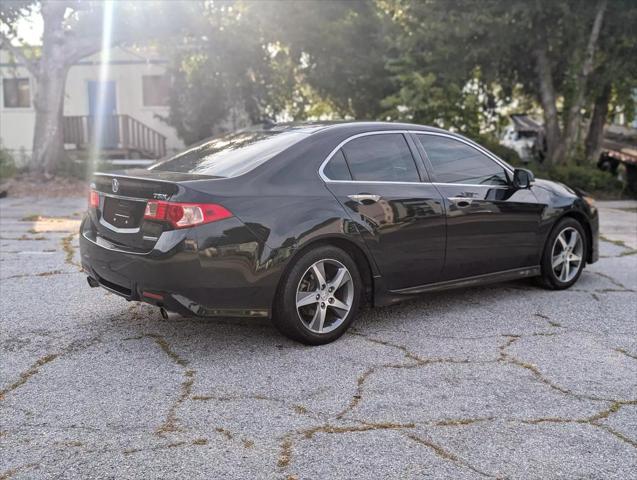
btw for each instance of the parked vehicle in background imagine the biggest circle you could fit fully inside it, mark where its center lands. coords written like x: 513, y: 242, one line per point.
x: 619, y: 154
x: 305, y: 223
x: 525, y: 136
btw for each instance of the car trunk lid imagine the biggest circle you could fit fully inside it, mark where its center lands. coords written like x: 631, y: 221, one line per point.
x: 123, y: 196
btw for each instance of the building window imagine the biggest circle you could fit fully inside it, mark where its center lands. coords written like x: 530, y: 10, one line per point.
x: 17, y: 92
x: 156, y: 90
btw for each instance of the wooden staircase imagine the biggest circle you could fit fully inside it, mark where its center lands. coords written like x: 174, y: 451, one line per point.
x: 122, y: 137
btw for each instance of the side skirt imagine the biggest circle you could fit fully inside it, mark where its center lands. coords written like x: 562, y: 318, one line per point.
x: 393, y: 296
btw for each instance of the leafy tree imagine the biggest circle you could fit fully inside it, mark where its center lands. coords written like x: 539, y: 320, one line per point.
x: 319, y: 59
x: 549, y: 48
x: 225, y: 77
x: 73, y: 30
x: 614, y: 80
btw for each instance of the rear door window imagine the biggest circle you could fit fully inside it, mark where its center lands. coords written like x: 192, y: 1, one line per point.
x: 381, y: 158
x: 231, y: 155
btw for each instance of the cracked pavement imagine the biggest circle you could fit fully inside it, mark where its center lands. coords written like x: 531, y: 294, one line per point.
x: 502, y: 381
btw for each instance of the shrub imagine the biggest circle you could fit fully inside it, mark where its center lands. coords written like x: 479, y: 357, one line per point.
x: 7, y: 164
x: 587, y: 178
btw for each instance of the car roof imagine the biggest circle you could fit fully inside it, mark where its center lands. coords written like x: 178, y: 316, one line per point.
x: 344, y: 126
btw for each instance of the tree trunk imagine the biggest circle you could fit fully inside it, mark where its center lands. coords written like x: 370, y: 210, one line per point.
x: 552, y: 130
x: 48, y: 138
x: 574, y: 117
x: 596, y: 128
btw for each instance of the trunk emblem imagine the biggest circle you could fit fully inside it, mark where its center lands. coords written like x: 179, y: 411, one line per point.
x: 115, y: 185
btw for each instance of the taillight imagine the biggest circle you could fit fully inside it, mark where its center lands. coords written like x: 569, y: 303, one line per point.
x: 93, y: 199
x: 182, y: 215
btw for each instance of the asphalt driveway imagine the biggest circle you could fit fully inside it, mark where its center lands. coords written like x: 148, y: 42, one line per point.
x: 501, y: 381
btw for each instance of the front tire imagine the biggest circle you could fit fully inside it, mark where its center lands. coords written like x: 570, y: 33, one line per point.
x: 319, y: 296
x: 564, y: 255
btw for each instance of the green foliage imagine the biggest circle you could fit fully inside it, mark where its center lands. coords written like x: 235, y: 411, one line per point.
x: 456, y: 64
x: 249, y: 62
x: 586, y: 178
x: 507, y: 154
x: 7, y: 164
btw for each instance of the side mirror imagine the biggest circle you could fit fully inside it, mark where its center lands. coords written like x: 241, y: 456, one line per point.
x: 522, y: 178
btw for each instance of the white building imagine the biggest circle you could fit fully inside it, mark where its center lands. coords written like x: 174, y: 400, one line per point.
x: 135, y: 89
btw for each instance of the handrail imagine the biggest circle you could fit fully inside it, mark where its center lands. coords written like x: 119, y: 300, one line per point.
x: 117, y: 132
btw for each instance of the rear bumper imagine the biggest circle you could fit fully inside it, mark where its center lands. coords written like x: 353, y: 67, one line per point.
x: 210, y: 270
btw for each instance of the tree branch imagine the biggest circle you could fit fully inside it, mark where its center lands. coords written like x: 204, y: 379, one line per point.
x: 79, y: 48
x: 29, y: 63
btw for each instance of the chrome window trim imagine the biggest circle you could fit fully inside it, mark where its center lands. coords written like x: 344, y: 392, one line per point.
x: 470, y: 185
x: 414, y: 132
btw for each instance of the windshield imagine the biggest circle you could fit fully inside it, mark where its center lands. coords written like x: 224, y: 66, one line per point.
x: 231, y: 155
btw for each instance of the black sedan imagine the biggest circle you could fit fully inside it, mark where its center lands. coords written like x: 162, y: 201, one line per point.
x: 306, y: 223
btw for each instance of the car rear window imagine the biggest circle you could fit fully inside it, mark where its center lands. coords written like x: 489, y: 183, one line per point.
x: 231, y: 155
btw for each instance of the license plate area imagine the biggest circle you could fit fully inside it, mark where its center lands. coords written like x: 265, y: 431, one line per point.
x: 122, y: 213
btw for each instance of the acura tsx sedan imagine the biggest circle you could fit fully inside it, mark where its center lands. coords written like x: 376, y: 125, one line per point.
x: 307, y: 223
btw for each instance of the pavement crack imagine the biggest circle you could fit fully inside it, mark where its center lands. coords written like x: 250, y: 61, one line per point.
x: 614, y: 282
x: 408, y: 354
x: 461, y: 422
x: 226, y: 433
x: 619, y: 435
x: 7, y: 474
x: 506, y: 357
x: 614, y: 408
x: 414, y: 361
x: 286, y: 447
x: 42, y: 274
x: 296, y: 408
x: 30, y: 372
x: 627, y: 353
x: 163, y: 344
x: 170, y: 423
x: 358, y: 395
x: 195, y: 442
x: 69, y: 250
x: 24, y: 237
x: 447, y: 455
x: 594, y: 420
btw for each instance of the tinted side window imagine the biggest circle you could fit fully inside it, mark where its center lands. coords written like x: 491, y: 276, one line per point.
x: 384, y: 157
x: 456, y: 162
x: 336, y: 168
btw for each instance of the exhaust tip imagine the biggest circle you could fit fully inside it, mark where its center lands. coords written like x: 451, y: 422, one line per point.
x: 164, y: 313
x: 92, y: 282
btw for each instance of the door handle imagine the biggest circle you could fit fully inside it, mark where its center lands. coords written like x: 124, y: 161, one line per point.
x: 461, y: 201
x: 364, y: 197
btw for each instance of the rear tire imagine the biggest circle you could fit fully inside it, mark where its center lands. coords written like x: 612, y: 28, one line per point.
x: 319, y: 296
x: 564, y: 255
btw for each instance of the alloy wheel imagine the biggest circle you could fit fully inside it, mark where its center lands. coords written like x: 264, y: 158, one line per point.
x: 567, y: 254
x: 324, y: 296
